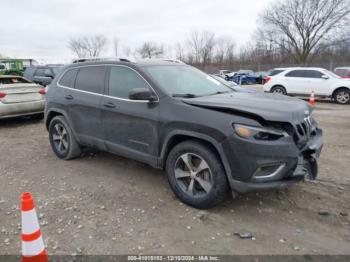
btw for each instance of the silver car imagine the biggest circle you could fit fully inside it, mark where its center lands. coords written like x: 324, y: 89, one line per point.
x: 19, y: 97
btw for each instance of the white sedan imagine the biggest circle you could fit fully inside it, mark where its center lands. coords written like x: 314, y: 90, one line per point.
x: 19, y: 97
x: 302, y: 81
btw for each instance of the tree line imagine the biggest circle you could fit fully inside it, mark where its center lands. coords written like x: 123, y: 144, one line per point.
x: 298, y: 32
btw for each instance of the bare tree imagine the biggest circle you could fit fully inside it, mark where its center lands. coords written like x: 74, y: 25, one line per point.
x: 150, y: 49
x: 201, y: 45
x: 224, y: 51
x: 88, y: 46
x: 303, y: 27
x: 116, y: 45
x: 180, y: 52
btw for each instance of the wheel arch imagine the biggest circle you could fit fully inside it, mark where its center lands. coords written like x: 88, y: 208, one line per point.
x: 176, y: 137
x: 278, y: 85
x: 53, y: 113
x: 339, y: 88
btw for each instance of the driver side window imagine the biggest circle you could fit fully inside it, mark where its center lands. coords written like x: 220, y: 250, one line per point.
x: 122, y: 80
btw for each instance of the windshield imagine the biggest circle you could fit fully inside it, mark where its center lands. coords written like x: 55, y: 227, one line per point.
x: 185, y: 80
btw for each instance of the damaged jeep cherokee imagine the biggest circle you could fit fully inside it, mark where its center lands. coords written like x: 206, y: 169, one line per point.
x: 209, y: 139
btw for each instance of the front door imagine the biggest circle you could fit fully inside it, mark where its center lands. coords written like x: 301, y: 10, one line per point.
x: 130, y: 127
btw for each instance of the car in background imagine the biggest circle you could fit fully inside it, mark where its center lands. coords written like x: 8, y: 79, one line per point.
x: 303, y: 81
x: 244, y: 79
x: 235, y: 87
x: 343, y: 72
x: 42, y: 75
x: 19, y: 97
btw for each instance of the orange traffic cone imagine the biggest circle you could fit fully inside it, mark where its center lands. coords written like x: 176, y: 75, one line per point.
x: 33, y: 249
x: 312, y: 98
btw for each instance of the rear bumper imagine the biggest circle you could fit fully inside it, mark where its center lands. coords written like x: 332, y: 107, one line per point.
x: 262, y: 166
x: 21, y: 109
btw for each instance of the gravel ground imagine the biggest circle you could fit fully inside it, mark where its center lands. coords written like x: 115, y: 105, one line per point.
x: 104, y: 204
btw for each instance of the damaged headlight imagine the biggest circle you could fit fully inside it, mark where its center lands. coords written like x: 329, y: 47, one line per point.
x: 259, y: 133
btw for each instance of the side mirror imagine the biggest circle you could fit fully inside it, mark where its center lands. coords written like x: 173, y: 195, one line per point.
x: 142, y: 94
x: 325, y: 77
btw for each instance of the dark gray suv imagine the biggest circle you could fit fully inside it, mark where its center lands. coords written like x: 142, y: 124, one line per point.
x: 207, y: 137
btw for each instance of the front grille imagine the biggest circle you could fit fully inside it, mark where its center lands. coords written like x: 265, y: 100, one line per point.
x: 304, y: 130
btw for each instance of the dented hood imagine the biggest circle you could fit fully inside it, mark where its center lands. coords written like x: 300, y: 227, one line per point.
x: 270, y: 107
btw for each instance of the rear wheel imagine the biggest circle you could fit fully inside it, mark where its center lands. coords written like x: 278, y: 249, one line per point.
x: 342, y: 96
x: 196, y: 175
x: 278, y: 90
x: 62, y: 140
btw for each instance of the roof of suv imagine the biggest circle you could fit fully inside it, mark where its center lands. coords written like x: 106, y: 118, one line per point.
x: 143, y: 62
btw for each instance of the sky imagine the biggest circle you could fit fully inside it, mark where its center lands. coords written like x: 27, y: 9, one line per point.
x: 41, y: 29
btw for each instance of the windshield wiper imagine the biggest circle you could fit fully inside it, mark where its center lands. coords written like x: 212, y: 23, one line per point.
x: 219, y: 93
x: 185, y: 95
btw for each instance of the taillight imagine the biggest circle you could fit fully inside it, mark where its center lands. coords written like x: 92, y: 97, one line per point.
x: 2, y: 95
x: 267, y: 79
x: 42, y: 91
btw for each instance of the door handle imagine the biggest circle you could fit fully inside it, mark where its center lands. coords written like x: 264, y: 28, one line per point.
x: 69, y: 97
x: 109, y: 105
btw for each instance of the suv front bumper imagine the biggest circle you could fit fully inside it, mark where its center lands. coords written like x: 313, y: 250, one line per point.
x: 259, y: 166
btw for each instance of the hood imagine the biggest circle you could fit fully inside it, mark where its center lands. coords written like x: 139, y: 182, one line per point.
x: 270, y: 107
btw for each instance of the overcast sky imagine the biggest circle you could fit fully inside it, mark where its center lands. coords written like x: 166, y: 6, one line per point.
x: 41, y: 29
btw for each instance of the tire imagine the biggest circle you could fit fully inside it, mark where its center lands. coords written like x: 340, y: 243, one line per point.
x: 279, y: 90
x: 62, y: 139
x: 342, y: 96
x: 209, y: 186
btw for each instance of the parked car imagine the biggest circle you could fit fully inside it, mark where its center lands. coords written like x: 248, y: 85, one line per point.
x: 207, y: 137
x: 343, y: 72
x: 42, y: 75
x: 302, y: 81
x: 19, y: 97
x: 233, y: 85
x: 244, y: 79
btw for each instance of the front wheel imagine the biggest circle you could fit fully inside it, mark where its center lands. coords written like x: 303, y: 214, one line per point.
x: 342, y: 96
x: 62, y: 139
x: 196, y: 175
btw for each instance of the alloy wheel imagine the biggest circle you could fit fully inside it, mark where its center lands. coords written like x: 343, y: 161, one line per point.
x: 60, y: 138
x: 343, y: 97
x: 193, y: 175
x: 278, y: 91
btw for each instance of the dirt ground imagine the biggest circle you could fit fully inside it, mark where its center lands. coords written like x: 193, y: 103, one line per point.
x: 104, y: 204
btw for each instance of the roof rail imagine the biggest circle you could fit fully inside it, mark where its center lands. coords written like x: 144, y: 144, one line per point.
x: 97, y: 59
x: 172, y: 60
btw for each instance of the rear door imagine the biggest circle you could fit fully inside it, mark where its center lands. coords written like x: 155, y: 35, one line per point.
x: 297, y: 82
x: 130, y: 127
x: 83, y: 88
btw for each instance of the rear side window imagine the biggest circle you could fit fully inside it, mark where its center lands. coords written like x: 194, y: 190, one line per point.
x: 122, y: 80
x: 275, y: 72
x: 68, y: 78
x: 91, y: 79
x: 40, y: 72
x: 28, y: 73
